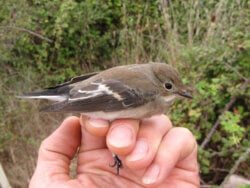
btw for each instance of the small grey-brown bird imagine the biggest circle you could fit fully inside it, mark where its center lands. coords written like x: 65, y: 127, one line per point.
x: 131, y: 91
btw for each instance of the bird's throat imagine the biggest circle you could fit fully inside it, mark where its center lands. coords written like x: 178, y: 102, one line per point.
x: 169, y: 98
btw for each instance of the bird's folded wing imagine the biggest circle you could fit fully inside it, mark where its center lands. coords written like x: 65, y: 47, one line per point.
x: 103, y: 95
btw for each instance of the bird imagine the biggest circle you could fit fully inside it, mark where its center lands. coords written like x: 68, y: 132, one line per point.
x: 128, y: 91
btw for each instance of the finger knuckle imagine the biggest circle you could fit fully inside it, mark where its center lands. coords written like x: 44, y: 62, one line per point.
x: 43, y: 146
x: 187, y: 135
x: 71, y: 118
x: 163, y: 123
x: 167, y: 120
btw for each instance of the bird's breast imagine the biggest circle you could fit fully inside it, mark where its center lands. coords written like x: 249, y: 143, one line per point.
x: 147, y: 110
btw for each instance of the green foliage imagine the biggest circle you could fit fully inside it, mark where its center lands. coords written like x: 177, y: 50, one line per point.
x: 230, y: 123
x: 208, y: 41
x: 204, y: 160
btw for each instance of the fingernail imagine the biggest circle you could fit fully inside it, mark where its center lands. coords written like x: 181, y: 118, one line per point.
x: 98, y: 123
x: 121, y: 136
x: 140, y: 150
x: 151, y: 174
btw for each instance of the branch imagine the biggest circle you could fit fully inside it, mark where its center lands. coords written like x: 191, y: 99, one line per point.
x: 228, y: 106
x: 235, y: 70
x: 28, y: 31
x: 236, y: 165
x: 222, y: 152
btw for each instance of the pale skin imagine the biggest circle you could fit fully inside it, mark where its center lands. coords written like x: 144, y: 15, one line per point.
x: 154, y: 154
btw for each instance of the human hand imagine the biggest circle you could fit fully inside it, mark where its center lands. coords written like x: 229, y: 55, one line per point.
x: 154, y: 154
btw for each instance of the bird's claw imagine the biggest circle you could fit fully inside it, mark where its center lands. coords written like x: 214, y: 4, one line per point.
x: 117, y: 163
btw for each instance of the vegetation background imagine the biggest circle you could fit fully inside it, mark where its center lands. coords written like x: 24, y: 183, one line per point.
x: 45, y: 42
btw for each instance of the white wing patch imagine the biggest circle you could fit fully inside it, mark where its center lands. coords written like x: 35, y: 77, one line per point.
x: 102, y: 89
x: 57, y: 98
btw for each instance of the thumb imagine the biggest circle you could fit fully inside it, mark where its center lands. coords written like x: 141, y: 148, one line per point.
x: 55, y: 154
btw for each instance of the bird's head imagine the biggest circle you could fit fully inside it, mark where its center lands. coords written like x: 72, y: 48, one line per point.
x: 169, y: 83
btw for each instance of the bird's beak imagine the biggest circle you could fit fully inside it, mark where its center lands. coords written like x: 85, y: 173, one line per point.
x: 185, y: 94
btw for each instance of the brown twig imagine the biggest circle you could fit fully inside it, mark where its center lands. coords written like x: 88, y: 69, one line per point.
x: 222, y: 152
x: 219, y: 170
x: 28, y: 31
x: 229, y: 104
x: 235, y: 70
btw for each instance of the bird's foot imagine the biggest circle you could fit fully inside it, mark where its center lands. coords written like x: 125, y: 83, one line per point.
x: 117, y: 163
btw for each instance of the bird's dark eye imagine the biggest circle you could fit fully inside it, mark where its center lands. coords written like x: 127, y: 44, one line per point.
x: 168, y: 86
